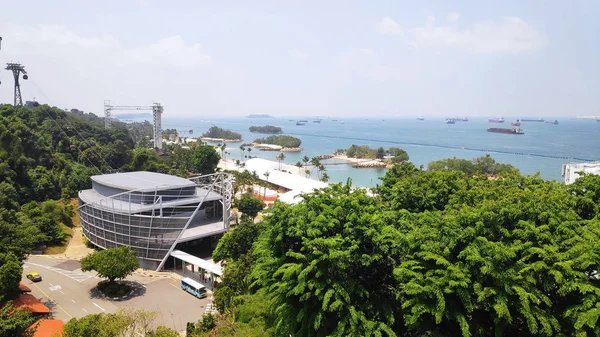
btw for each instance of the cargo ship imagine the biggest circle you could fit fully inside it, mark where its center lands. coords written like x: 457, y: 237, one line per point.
x: 513, y: 131
x: 423, y: 118
x: 533, y: 120
x: 516, y: 123
x: 555, y: 122
x: 450, y: 121
x: 496, y: 120
x: 299, y: 123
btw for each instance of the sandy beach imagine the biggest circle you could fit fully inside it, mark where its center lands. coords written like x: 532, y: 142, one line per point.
x: 221, y: 140
x: 362, y: 162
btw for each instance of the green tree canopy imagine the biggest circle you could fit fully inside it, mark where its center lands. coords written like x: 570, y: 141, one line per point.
x: 11, y: 270
x: 113, y: 263
x: 266, y: 129
x: 281, y: 140
x: 204, y: 159
x: 16, y: 323
x: 217, y: 132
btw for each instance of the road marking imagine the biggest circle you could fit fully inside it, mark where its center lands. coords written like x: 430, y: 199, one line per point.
x: 174, y: 285
x: 55, y: 288
x: 62, y: 292
x: 53, y: 301
x: 52, y: 285
x: 72, y: 300
x: 77, y: 276
x: 83, y: 309
x: 101, y: 308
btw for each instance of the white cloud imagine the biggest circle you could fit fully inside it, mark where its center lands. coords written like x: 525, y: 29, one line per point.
x: 453, y: 16
x: 297, y: 54
x: 506, y: 35
x: 510, y: 35
x: 387, y: 25
x: 171, y: 51
x: 367, y: 51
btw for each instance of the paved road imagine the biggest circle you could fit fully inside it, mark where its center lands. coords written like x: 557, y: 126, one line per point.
x: 65, y: 292
x: 69, y: 292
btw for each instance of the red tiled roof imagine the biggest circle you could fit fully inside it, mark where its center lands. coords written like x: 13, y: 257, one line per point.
x: 27, y: 301
x: 48, y: 328
x: 24, y: 288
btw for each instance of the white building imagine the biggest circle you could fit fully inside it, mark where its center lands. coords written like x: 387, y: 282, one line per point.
x: 571, y: 170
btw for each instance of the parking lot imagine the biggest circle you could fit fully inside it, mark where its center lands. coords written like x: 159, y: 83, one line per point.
x: 69, y: 292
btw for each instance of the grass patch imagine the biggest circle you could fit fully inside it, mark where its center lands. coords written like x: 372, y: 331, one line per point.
x: 113, y: 289
x: 60, y: 248
x: 75, y: 218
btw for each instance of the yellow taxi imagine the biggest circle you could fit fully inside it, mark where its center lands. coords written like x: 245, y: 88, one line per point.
x: 34, y: 276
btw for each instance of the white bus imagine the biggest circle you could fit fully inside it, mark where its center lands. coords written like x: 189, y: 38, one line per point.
x: 193, y: 287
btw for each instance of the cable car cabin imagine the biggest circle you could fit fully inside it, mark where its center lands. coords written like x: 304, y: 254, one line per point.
x: 193, y: 287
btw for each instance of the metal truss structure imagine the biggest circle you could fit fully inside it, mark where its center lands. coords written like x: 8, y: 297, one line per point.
x: 153, y: 222
x: 157, y: 111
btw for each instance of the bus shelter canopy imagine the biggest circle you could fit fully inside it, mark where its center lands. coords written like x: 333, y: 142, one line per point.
x: 198, y: 262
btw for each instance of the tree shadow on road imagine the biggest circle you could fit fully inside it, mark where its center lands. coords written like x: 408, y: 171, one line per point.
x: 137, y: 289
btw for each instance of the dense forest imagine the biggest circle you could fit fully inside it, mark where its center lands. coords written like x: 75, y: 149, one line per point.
x: 46, y: 156
x: 217, y: 132
x: 266, y: 129
x: 282, y: 140
x: 465, y: 248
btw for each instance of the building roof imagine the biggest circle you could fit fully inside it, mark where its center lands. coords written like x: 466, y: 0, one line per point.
x: 48, y: 328
x: 91, y: 196
x: 289, y: 181
x: 141, y: 180
x: 23, y: 287
x: 196, y: 261
x: 29, y: 302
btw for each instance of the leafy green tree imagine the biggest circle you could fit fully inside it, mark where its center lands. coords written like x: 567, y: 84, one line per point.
x: 125, y: 322
x: 11, y: 270
x: 250, y: 206
x: 324, y: 275
x: 282, y: 140
x: 113, y: 263
x: 204, y: 159
x: 16, y: 322
x: 238, y: 242
x: 163, y: 331
x: 380, y: 153
x: 217, y: 132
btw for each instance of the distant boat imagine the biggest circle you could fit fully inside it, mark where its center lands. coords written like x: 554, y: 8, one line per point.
x: 555, y: 122
x: 450, y: 121
x: 299, y: 123
x: 421, y: 118
x: 513, y: 131
x: 303, y: 121
x: 317, y: 121
x: 496, y: 120
x: 291, y: 120
x: 334, y: 120
x: 532, y: 120
x: 516, y: 123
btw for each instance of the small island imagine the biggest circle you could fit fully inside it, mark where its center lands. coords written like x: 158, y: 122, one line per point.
x: 217, y: 134
x: 281, y: 143
x: 365, y: 157
x: 259, y: 116
x: 269, y: 129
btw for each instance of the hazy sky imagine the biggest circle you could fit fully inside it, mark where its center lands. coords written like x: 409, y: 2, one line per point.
x: 330, y: 58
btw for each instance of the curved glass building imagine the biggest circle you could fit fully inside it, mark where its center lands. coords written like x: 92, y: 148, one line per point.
x: 153, y: 212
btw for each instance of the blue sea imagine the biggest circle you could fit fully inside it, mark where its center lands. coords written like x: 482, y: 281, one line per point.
x: 544, y: 147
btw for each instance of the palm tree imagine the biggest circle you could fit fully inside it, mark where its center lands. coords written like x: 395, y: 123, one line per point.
x: 280, y: 158
x: 266, y: 174
x: 305, y: 159
x: 223, y: 147
x: 307, y: 172
x: 238, y: 163
x: 249, y: 150
x: 325, y: 177
x: 242, y: 149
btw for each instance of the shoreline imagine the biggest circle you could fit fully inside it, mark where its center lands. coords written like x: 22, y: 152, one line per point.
x: 216, y: 140
x: 362, y: 162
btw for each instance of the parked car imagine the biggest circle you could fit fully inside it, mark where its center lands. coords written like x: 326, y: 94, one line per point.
x: 34, y: 276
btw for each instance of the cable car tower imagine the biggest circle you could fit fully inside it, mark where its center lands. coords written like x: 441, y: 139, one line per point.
x: 157, y: 111
x: 17, y: 69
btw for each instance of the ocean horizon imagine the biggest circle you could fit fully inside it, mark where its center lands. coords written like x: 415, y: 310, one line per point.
x: 544, y: 147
